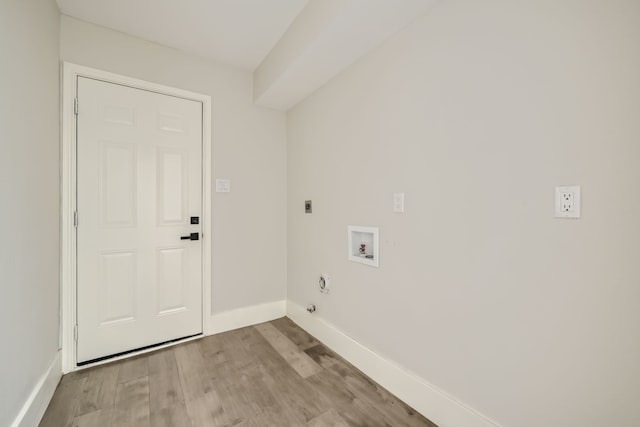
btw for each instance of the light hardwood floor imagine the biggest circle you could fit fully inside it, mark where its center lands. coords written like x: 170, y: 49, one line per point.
x: 272, y: 374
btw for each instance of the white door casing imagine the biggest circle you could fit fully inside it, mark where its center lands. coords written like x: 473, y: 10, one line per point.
x: 137, y: 283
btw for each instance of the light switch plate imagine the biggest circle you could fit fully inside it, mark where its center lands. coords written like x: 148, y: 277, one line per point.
x: 568, y: 201
x: 223, y: 186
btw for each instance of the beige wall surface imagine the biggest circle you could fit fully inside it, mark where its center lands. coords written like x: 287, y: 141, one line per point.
x: 29, y: 192
x: 475, y: 112
x: 248, y: 147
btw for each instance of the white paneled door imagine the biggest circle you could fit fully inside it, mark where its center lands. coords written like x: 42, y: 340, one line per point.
x: 139, y: 198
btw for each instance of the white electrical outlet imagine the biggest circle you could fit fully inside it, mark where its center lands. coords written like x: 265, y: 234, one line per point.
x: 568, y: 201
x: 398, y: 202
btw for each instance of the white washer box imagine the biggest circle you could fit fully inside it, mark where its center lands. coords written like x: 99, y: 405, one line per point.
x: 367, y: 236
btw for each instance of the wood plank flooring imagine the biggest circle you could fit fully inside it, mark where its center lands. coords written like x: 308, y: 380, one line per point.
x: 272, y: 374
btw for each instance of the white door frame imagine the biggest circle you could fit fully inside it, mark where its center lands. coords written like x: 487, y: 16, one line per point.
x: 68, y: 287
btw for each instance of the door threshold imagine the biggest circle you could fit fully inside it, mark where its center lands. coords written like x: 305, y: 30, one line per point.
x: 138, y: 350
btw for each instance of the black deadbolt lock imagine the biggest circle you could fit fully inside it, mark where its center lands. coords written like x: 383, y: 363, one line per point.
x: 195, y: 220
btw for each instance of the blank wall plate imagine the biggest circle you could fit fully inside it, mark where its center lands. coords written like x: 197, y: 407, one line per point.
x: 568, y: 201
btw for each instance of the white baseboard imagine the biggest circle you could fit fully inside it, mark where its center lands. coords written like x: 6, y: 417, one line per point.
x: 33, y: 409
x: 436, y: 405
x: 246, y: 316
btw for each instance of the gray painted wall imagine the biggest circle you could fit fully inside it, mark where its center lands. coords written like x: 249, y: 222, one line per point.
x: 29, y: 192
x: 476, y: 112
x: 248, y: 147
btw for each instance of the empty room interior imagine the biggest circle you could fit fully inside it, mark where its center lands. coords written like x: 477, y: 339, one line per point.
x: 348, y: 212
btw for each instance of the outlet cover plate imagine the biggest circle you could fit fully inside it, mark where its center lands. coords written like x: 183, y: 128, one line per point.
x: 568, y: 201
x: 398, y: 202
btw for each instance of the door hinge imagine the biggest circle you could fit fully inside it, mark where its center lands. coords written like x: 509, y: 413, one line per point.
x: 75, y: 219
x: 75, y: 106
x: 75, y: 333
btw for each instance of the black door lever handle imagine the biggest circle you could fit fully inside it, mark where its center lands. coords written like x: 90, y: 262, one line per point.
x: 192, y: 236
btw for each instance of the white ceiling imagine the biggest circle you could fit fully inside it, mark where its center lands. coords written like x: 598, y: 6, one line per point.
x: 293, y: 47
x: 235, y: 32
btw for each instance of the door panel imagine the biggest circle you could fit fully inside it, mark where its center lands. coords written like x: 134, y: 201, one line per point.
x: 117, y: 276
x: 172, y: 280
x: 117, y: 186
x: 172, y: 186
x: 139, y: 181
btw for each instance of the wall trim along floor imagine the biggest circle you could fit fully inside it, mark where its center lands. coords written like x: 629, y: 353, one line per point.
x: 425, y: 398
x: 40, y: 396
x: 246, y: 316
